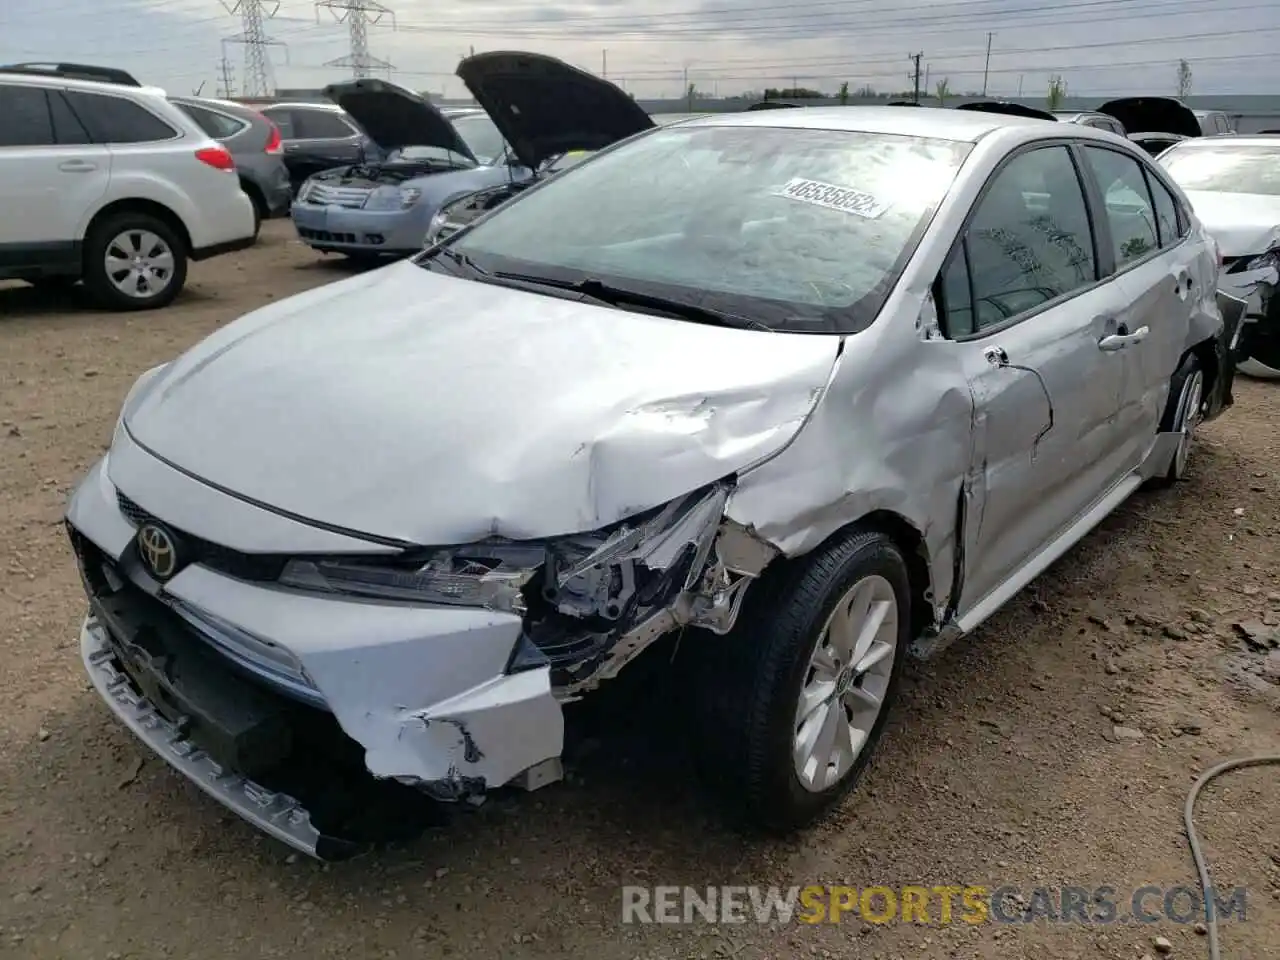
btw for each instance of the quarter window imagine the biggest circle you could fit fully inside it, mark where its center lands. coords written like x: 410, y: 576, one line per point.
x: 217, y: 125
x: 1028, y: 242
x: 1130, y: 212
x: 26, y: 117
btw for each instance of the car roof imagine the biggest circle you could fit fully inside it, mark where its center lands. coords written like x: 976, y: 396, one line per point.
x: 935, y: 122
x: 229, y: 106
x: 37, y: 79
x: 300, y: 105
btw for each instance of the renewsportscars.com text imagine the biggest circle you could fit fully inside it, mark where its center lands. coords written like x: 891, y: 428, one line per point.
x: 933, y: 905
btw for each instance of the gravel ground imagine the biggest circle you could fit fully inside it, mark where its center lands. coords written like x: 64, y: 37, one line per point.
x: 1053, y: 748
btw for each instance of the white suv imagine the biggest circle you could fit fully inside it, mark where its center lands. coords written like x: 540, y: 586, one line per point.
x: 109, y: 183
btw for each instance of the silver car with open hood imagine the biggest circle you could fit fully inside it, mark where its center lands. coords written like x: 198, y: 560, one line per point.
x: 805, y: 389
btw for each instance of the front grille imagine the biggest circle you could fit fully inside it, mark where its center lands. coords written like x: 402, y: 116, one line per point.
x: 352, y: 198
x: 234, y: 563
x: 326, y: 236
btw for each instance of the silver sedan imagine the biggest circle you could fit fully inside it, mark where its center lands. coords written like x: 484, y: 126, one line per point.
x: 809, y: 390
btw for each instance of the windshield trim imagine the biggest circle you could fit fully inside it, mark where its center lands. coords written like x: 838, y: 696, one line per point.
x: 780, y: 316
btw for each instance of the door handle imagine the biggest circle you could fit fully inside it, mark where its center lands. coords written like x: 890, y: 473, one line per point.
x: 77, y: 166
x: 1118, y: 341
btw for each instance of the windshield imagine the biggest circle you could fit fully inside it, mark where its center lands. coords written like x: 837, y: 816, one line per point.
x: 1225, y: 169
x: 481, y: 136
x: 802, y: 230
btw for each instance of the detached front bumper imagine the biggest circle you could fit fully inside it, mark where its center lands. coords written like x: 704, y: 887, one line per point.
x: 240, y: 678
x: 1259, y: 337
x: 346, y: 230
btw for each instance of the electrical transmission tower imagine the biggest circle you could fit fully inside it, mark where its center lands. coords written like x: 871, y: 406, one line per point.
x: 257, y: 80
x: 358, y: 15
x: 227, y: 75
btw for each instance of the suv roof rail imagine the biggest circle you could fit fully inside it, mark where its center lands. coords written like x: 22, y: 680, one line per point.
x: 73, y: 71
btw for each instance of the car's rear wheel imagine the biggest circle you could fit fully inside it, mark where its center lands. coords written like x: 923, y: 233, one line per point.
x: 1186, y: 398
x: 805, y: 680
x: 134, y: 261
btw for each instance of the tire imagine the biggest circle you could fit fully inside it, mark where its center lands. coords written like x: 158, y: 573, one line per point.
x: 751, y: 695
x: 121, y: 234
x: 1182, y: 416
x: 259, y: 206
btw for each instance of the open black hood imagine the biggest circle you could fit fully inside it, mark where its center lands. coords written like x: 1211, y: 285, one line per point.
x: 544, y: 107
x: 1008, y: 109
x: 772, y: 105
x: 1153, y: 115
x: 394, y: 117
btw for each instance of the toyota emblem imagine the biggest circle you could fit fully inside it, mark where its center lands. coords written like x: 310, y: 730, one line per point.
x: 158, y: 551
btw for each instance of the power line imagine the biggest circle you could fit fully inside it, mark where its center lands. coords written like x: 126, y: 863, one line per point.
x: 253, y: 36
x: 358, y: 15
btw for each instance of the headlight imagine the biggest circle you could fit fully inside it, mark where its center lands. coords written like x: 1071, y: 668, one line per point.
x: 392, y: 198
x: 436, y: 227
x: 641, y: 562
x: 1269, y: 259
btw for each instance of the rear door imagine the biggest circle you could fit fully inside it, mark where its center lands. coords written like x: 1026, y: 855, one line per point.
x: 1158, y: 270
x: 50, y: 173
x: 1025, y: 302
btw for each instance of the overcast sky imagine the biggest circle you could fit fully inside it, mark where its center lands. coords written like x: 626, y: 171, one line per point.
x: 725, y: 46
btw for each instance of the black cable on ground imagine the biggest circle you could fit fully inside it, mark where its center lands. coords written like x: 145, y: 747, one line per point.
x: 1188, y: 821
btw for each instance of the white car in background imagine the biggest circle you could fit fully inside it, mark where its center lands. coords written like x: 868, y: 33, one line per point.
x: 108, y: 182
x: 1233, y: 182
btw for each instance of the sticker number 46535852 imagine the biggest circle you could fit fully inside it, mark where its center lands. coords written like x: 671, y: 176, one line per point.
x: 832, y: 197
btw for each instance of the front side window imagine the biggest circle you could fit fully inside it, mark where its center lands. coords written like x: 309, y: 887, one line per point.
x: 1225, y: 168
x: 117, y: 120
x: 801, y: 230
x: 1029, y: 240
x: 26, y: 120
x: 1130, y: 213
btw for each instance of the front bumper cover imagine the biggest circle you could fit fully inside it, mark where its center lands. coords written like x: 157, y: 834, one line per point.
x: 273, y: 813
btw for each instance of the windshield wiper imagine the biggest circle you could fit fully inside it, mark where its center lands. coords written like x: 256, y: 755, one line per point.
x: 461, y: 260
x: 621, y: 296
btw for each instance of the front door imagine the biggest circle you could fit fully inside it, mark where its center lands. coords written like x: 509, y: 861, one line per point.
x: 1023, y: 301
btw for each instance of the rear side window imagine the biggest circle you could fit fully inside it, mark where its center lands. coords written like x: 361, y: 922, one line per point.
x: 1130, y: 212
x: 319, y: 125
x: 67, y: 128
x: 117, y: 120
x: 217, y: 125
x: 283, y: 120
x: 26, y: 121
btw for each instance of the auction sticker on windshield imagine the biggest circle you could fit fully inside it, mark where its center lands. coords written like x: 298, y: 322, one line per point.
x: 833, y: 197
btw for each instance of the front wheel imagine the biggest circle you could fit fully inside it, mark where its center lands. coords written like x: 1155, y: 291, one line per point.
x: 806, y: 680
x: 134, y: 261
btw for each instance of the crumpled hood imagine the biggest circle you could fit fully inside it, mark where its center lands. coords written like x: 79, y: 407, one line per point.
x: 544, y: 107
x: 1243, y: 224
x: 1153, y: 115
x: 435, y: 410
x: 395, y: 117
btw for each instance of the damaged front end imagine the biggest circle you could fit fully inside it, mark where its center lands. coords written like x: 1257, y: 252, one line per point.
x: 586, y: 604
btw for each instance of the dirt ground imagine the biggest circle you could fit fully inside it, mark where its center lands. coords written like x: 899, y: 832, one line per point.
x: 1002, y: 765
